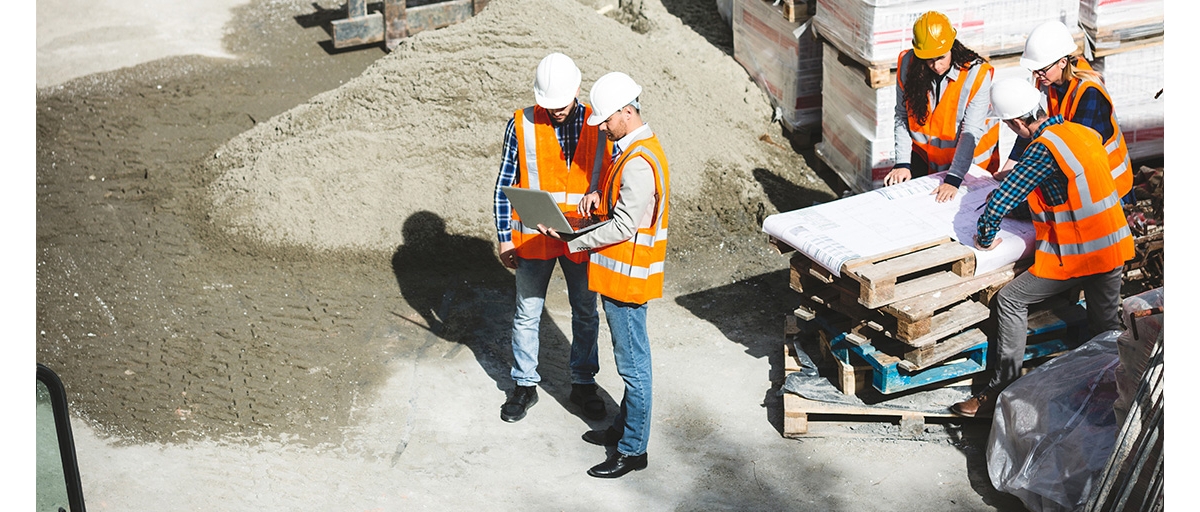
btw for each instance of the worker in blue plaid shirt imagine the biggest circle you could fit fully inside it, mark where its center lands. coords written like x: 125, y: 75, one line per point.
x: 567, y: 169
x: 1082, y: 237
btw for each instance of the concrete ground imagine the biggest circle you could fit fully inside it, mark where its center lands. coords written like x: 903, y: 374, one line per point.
x: 432, y: 439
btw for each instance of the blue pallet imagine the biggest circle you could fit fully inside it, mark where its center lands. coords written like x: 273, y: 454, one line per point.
x: 889, y: 378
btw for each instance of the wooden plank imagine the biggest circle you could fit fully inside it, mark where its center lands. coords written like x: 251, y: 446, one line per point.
x: 850, y: 378
x: 358, y: 31
x: 779, y: 245
x: 795, y: 417
x: 1123, y: 44
x: 961, y: 256
x: 804, y: 313
x: 849, y: 266
x: 924, y: 358
x: 796, y: 411
x: 789, y: 10
x: 944, y: 324
x: 884, y: 295
x: 821, y: 273
x: 395, y: 22
x: 435, y: 16
x: 925, y: 305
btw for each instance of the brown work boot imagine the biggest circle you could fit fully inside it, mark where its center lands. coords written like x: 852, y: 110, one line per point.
x: 982, y: 404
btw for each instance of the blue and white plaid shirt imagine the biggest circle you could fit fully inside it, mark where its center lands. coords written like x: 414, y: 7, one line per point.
x: 1037, y: 168
x: 568, y: 137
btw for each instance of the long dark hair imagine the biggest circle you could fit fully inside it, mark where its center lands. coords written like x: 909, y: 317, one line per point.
x: 918, y: 82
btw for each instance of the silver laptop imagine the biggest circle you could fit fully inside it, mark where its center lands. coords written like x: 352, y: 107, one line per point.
x: 538, y: 207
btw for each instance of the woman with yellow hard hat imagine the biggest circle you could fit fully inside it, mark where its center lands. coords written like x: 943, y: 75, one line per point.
x: 1075, y: 91
x: 942, y: 104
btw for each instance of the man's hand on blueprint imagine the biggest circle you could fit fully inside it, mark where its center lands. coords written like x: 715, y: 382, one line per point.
x: 995, y: 243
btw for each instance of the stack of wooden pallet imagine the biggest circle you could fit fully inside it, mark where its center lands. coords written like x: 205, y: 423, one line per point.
x: 913, y: 317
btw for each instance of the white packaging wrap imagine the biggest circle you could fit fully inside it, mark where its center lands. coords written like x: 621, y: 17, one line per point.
x: 876, y: 31
x: 782, y: 57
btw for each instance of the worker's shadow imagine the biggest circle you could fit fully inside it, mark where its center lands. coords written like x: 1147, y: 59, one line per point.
x: 751, y: 312
x: 465, y: 296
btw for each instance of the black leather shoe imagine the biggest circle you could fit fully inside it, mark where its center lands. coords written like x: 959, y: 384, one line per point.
x: 607, y: 437
x: 523, y: 398
x: 584, y: 395
x: 617, y: 465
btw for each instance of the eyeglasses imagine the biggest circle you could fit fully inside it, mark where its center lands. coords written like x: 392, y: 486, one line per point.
x: 1046, y: 69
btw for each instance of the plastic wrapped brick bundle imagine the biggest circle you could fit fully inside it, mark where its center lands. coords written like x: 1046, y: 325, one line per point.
x: 1054, y: 429
x: 725, y: 9
x: 1143, y: 317
x: 876, y: 31
x: 782, y: 57
x: 856, y: 125
x: 857, y: 122
x: 1108, y: 22
x: 1133, y: 78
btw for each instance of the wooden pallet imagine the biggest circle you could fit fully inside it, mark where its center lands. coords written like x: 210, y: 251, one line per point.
x: 885, y: 278
x: 880, y: 74
x: 896, y: 367
x: 919, y: 320
x: 1125, y: 37
x: 925, y: 318
x: 799, y: 411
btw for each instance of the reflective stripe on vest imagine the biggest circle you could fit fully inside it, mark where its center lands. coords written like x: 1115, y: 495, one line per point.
x: 1087, y: 234
x: 632, y: 270
x: 1115, y: 147
x: 542, y: 165
x: 937, y: 139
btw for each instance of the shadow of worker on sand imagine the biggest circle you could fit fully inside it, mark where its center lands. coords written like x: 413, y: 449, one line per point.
x: 465, y: 296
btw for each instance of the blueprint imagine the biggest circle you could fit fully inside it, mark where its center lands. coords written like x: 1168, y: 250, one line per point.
x: 893, y: 218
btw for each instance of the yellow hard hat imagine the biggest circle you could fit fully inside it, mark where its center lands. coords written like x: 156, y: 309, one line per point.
x: 932, y: 35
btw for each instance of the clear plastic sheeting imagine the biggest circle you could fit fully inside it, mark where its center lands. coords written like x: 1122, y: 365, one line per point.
x: 809, y: 383
x: 1133, y: 78
x: 725, y: 9
x: 1142, y: 316
x: 1054, y: 429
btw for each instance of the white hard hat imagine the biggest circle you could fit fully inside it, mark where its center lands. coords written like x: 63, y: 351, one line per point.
x: 1014, y: 97
x: 1047, y: 43
x: 556, y: 82
x: 611, y: 93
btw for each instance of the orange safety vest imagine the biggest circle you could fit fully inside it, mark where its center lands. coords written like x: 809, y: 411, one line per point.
x: 543, y: 165
x: 1087, y: 234
x: 632, y: 271
x: 936, y: 139
x: 1068, y: 106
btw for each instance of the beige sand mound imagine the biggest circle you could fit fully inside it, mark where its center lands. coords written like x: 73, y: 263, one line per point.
x: 421, y: 129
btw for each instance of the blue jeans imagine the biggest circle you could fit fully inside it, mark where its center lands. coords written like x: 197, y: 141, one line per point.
x: 533, y: 277
x: 631, y: 351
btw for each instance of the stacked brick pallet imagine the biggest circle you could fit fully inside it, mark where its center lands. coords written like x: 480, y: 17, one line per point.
x: 1125, y: 42
x: 779, y: 52
x: 860, y: 40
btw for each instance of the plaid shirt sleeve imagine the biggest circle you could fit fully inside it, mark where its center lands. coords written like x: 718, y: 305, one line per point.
x: 501, y: 208
x: 1037, y: 168
x: 1095, y: 112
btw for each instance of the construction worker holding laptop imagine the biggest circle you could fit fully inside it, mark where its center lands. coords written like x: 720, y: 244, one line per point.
x: 626, y: 260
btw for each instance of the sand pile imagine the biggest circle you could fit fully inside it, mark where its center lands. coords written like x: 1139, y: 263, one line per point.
x: 421, y: 129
